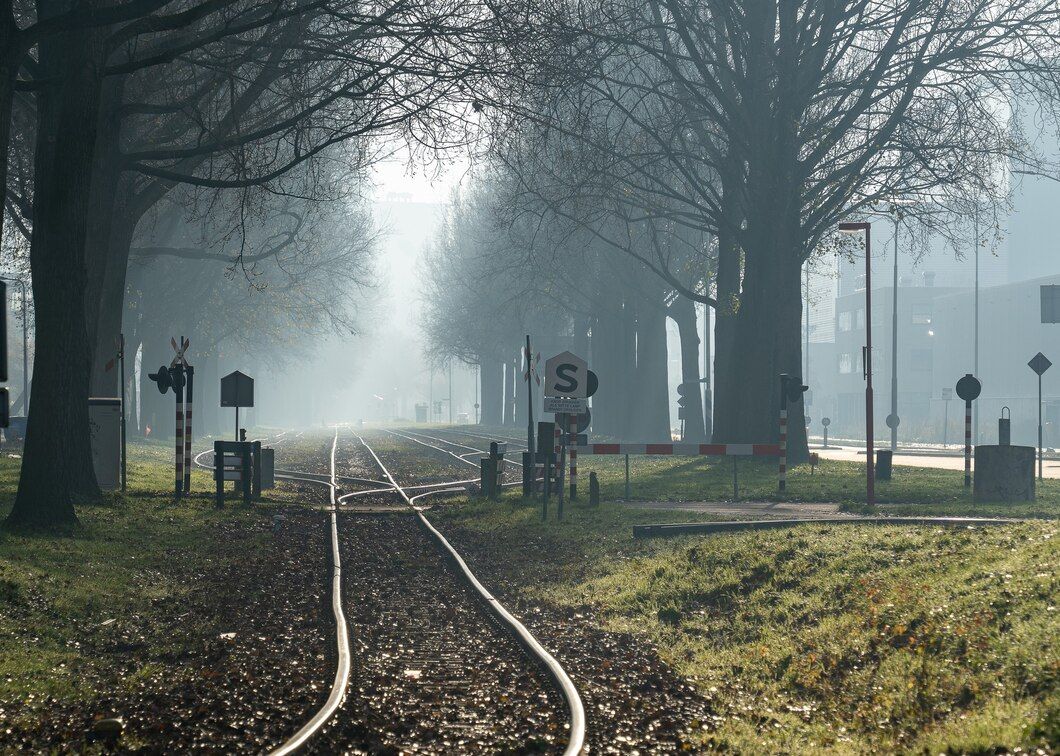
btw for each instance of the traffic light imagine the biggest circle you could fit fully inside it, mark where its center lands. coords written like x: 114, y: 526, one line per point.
x: 162, y: 378
x: 168, y: 378
x: 796, y: 389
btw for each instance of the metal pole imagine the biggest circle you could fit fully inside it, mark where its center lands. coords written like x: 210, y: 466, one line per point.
x: 450, y: 390
x: 870, y: 467
x: 946, y: 424
x: 529, y: 406
x: 806, y: 372
x: 628, y: 495
x: 967, y: 444
x: 237, y: 423
x: 1039, y: 426
x: 894, y: 342
x: 124, y: 452
x: 976, y: 360
x: 478, y: 377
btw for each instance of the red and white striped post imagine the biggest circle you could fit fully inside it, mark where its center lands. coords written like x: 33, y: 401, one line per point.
x: 573, y: 425
x: 967, y: 444
x: 178, y: 389
x: 190, y: 371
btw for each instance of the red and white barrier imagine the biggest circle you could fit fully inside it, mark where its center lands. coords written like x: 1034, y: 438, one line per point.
x: 682, y: 450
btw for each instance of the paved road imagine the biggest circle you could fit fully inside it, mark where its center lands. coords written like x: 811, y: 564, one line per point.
x: 920, y: 459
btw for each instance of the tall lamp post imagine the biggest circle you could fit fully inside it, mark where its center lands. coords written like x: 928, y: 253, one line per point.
x: 870, y: 462
x: 25, y: 344
x: 892, y: 419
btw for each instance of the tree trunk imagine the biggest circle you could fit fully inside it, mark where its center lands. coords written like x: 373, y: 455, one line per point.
x: 492, y: 379
x: 768, y: 329
x: 651, y: 407
x: 683, y: 312
x: 57, y: 463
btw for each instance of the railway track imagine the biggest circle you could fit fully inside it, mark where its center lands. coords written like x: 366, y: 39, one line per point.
x: 440, y: 665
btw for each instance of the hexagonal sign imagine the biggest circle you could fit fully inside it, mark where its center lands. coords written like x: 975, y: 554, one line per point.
x: 566, y: 374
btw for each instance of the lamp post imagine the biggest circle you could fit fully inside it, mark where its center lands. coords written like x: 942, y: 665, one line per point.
x: 25, y: 344
x: 892, y: 419
x: 870, y: 463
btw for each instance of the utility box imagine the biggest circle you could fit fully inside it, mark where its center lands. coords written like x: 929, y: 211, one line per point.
x: 268, y: 468
x: 104, y: 422
x: 1004, y: 473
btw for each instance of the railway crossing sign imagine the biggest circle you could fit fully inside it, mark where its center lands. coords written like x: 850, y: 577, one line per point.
x: 567, y: 375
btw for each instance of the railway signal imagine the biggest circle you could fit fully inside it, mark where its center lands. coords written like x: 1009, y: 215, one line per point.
x: 968, y: 389
x: 177, y: 376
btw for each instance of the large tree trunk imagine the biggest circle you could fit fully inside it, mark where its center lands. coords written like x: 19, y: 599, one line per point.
x: 683, y: 312
x: 492, y: 380
x: 57, y: 463
x: 651, y: 407
x: 726, y: 382
x: 768, y: 329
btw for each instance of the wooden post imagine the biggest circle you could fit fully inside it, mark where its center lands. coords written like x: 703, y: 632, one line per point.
x: 255, y: 456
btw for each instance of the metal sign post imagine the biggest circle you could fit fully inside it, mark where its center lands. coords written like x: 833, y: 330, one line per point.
x: 968, y: 389
x: 529, y: 407
x: 825, y: 422
x: 947, y: 394
x: 1039, y: 364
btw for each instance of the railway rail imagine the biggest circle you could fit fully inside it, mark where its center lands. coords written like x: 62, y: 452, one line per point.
x: 430, y: 640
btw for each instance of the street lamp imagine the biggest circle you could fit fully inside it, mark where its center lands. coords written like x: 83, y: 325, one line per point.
x: 870, y: 465
x: 25, y: 344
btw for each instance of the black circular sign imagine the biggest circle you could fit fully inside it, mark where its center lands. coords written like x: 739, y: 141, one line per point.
x: 825, y: 421
x: 591, y: 384
x: 893, y: 421
x: 968, y: 388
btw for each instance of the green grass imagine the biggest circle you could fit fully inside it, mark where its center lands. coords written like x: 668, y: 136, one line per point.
x: 131, y: 557
x: 912, y: 491
x: 846, y: 639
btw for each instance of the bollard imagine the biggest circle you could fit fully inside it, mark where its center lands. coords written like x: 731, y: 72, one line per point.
x: 628, y: 496
x: 594, y: 490
x: 884, y: 459
x: 1004, y: 428
x: 735, y: 481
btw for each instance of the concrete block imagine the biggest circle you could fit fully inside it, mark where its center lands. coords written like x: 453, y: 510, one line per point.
x: 1004, y: 473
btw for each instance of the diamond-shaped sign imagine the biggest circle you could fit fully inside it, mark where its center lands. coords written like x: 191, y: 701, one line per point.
x: 1039, y: 363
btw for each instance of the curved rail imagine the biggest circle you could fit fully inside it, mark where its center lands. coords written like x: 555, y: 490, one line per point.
x: 576, y: 741
x: 342, y: 640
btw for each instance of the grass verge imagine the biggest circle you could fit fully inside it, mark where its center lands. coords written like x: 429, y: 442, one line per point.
x: 133, y: 556
x: 844, y: 639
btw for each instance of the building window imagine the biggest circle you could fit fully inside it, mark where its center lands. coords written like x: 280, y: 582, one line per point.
x: 845, y: 364
x: 920, y: 359
x: 921, y: 315
x: 844, y: 321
